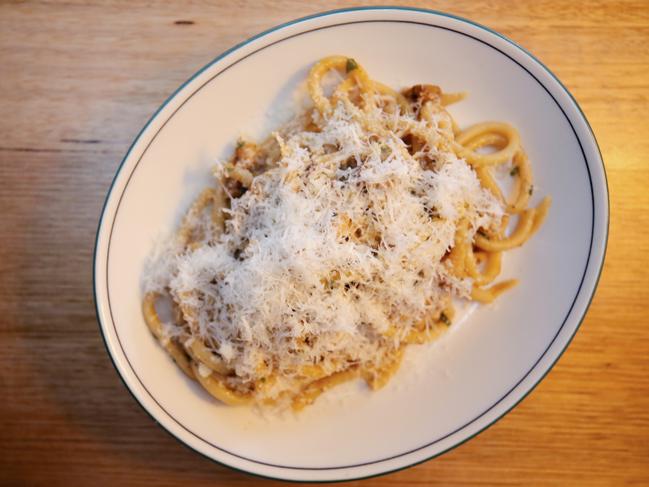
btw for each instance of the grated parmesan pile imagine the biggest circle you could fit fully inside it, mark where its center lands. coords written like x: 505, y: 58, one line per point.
x: 332, y: 254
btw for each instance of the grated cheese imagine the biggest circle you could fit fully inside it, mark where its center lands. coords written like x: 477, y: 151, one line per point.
x: 339, y: 242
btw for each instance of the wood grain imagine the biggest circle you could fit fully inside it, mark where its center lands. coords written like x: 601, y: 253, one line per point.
x: 77, y: 81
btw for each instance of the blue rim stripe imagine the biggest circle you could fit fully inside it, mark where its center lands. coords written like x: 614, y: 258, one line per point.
x: 302, y: 20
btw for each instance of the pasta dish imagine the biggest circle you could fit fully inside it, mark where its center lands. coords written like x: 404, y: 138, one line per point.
x: 320, y: 254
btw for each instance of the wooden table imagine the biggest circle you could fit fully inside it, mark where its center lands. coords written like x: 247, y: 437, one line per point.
x: 77, y: 81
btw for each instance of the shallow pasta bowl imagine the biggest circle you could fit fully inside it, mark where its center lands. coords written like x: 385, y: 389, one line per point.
x: 445, y: 392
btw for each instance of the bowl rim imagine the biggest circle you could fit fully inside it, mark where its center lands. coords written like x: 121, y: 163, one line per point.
x: 605, y: 202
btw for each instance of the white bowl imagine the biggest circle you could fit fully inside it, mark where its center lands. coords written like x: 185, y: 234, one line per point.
x: 446, y: 392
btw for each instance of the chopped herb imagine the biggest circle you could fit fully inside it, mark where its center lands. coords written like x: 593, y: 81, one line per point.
x: 240, y: 144
x: 515, y: 170
x: 444, y: 319
x: 531, y: 190
x: 351, y: 65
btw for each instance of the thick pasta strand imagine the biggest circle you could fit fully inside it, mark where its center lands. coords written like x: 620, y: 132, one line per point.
x: 457, y: 256
x: 516, y: 239
x: 200, y: 353
x: 216, y: 386
x: 488, y: 182
x: 398, y: 97
x: 488, y: 295
x: 486, y: 139
x: 311, y: 392
x: 191, y: 236
x: 155, y: 325
x: 523, y: 188
x: 491, y: 271
x: 541, y: 214
x: 481, y: 129
x: 318, y: 71
x: 450, y: 98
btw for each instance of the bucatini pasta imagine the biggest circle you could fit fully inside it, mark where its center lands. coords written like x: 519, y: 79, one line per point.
x: 319, y: 255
